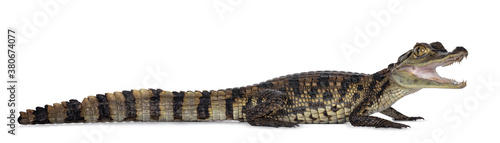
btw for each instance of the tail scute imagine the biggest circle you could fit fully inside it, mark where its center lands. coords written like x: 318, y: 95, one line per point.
x: 73, y: 111
x: 40, y: 116
x: 26, y: 117
x: 116, y: 105
x: 155, y: 104
x: 90, y: 111
x: 103, y: 105
x: 131, y: 112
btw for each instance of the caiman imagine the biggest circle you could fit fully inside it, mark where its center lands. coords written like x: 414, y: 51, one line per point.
x: 310, y: 97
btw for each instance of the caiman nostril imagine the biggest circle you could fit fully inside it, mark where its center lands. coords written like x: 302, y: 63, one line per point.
x: 459, y: 49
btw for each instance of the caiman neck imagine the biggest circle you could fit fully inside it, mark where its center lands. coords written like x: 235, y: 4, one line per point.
x: 387, y: 91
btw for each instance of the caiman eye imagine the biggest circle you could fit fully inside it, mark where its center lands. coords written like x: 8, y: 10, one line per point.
x: 420, y: 50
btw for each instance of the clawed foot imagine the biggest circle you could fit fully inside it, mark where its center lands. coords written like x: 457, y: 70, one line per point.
x: 393, y: 125
x: 272, y: 123
x: 371, y: 121
x: 409, y: 119
x: 289, y: 124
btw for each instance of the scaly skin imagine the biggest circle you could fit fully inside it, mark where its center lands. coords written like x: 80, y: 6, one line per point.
x: 286, y: 101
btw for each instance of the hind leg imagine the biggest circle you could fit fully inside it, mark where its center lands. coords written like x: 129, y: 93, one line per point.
x: 262, y: 114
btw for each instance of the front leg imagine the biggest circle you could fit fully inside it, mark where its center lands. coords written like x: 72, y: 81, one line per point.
x: 394, y: 114
x: 360, y: 117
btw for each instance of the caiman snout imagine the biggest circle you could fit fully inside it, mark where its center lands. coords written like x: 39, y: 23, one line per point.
x: 460, y: 49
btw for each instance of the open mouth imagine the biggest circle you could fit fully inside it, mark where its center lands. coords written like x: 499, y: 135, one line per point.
x: 428, y: 72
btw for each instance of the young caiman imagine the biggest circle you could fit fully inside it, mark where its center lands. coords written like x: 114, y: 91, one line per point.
x: 309, y: 97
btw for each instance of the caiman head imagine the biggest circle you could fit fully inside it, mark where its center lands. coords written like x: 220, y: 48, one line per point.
x: 417, y: 67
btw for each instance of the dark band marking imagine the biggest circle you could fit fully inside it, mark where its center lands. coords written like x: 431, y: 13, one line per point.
x: 74, y: 111
x: 327, y: 95
x: 355, y: 97
x: 311, y: 117
x: 259, y: 99
x: 235, y: 93
x: 355, y: 78
x: 154, y: 104
x: 334, y: 108
x: 247, y: 105
x: 41, y: 116
x: 323, y: 79
x: 289, y: 102
x: 343, y: 88
x: 313, y: 92
x: 293, y: 81
x: 202, y: 109
x: 265, y: 85
x: 360, y: 87
x: 375, y: 78
x: 382, y: 89
x: 130, y: 105
x: 103, y: 105
x: 326, y: 114
x: 378, y: 77
x: 296, y: 118
x: 178, y: 101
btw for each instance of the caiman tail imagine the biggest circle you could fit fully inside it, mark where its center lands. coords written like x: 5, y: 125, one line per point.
x: 147, y: 105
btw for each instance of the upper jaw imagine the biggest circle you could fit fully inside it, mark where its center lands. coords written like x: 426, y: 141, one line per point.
x: 428, y: 76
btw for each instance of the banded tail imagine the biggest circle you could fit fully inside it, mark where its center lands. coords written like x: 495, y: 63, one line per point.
x: 148, y: 105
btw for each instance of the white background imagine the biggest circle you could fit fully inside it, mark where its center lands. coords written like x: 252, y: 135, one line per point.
x: 80, y: 48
